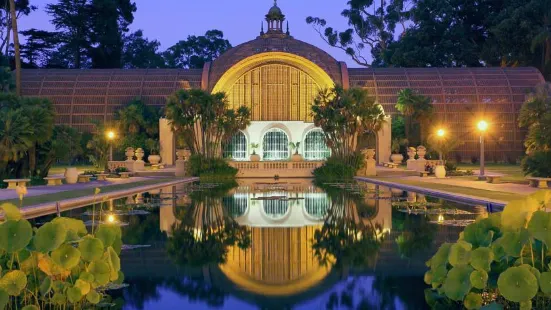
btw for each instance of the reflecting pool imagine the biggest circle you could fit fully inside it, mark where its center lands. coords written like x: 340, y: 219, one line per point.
x: 285, y: 244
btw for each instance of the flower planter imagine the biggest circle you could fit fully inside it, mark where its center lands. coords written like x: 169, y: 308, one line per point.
x: 296, y: 158
x: 154, y: 159
x: 255, y: 157
x: 71, y: 175
x: 440, y: 172
x: 397, y: 158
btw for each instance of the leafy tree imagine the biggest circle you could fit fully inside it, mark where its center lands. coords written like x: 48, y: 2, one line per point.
x: 139, y: 52
x: 38, y: 47
x: 344, y: 115
x: 373, y: 25
x: 195, y: 51
x: 99, y: 146
x: 415, y: 108
x: 139, y: 122
x: 17, y: 47
x: 40, y: 113
x: 63, y: 146
x: 22, y: 7
x: 15, y: 135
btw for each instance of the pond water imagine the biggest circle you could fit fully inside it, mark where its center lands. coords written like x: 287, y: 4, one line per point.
x: 285, y: 244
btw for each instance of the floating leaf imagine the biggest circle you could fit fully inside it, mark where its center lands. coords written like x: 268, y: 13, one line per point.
x: 15, y: 235
x: 83, y: 286
x: 90, y: 248
x: 49, y: 237
x: 74, y: 295
x: 45, y: 286
x: 533, y: 270
x: 4, y: 298
x: 66, y: 256
x: 101, y: 272
x: 428, y: 277
x: 479, y: 279
x: 473, y: 301
x: 439, y: 275
x: 517, y: 284
x: 517, y: 213
x: 11, y: 212
x: 93, y: 297
x: 545, y: 282
x: 13, y: 282
x: 481, y: 258
x: 458, y: 282
x: 120, y: 278
x: 540, y: 227
x: 460, y: 253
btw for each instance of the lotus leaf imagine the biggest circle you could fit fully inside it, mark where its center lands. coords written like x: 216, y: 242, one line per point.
x: 517, y: 213
x: 101, y: 272
x: 29, y: 264
x: 86, y: 276
x: 49, y: 237
x: 526, y: 305
x: 47, y: 265
x: 428, y: 277
x: 90, y: 248
x: 117, y: 245
x: 494, y: 221
x: 93, y: 297
x: 441, y: 256
x: 74, y: 295
x: 460, y: 253
x: 473, y: 301
x: 479, y: 279
x: 108, y: 234
x: 540, y: 227
x: 439, y: 275
x: 533, y: 270
x: 83, y: 286
x: 15, y: 235
x: 458, y: 282
x: 114, y: 263
x: 46, y: 286
x: 14, y: 282
x: 59, y: 299
x: 498, y: 250
x: 75, y: 228
x: 545, y: 282
x: 66, y: 256
x: 517, y: 284
x: 11, y: 212
x: 543, y: 197
x: 479, y: 234
x: 513, y: 242
x: 120, y: 278
x: 481, y: 258
x: 4, y: 298
x: 30, y: 307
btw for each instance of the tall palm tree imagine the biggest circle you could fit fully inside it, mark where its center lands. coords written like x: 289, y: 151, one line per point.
x: 16, y: 135
x: 13, y: 15
x: 41, y: 115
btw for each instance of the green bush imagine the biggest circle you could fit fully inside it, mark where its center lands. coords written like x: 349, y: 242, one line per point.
x: 450, y: 166
x: 501, y: 260
x: 121, y: 169
x: 211, y: 168
x: 337, y: 169
x: 537, y: 164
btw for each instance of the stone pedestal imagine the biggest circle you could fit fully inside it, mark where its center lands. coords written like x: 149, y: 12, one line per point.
x: 180, y: 168
x: 139, y: 164
x: 411, y: 158
x: 370, y: 168
x: 421, y: 162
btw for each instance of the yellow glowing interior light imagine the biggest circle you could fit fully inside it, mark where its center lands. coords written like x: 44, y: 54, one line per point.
x: 441, y: 132
x: 482, y: 125
x: 111, y: 218
x: 441, y: 218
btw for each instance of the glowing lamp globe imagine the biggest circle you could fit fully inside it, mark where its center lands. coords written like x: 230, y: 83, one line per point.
x: 482, y: 125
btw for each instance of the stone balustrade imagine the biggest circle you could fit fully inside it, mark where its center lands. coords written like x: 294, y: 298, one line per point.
x: 283, y: 169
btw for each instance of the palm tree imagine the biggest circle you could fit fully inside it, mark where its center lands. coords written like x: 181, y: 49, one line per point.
x: 534, y: 115
x: 415, y: 108
x: 16, y: 135
x: 41, y: 115
x: 17, y: 48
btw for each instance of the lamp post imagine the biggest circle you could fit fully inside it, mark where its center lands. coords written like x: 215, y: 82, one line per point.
x: 482, y: 127
x: 440, y: 133
x: 440, y: 170
x: 110, y: 137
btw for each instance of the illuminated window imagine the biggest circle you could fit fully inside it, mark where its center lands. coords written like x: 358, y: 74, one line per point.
x: 236, y: 205
x: 275, y: 145
x: 275, y: 207
x: 314, y: 146
x: 236, y: 148
x: 317, y: 204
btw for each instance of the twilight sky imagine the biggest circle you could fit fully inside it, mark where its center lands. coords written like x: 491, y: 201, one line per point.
x: 169, y: 21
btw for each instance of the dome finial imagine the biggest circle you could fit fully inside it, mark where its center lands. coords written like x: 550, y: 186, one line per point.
x: 275, y: 19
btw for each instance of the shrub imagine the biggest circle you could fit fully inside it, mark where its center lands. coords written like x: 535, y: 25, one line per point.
x: 474, y: 159
x: 211, y: 168
x: 121, y: 169
x: 336, y: 169
x: 537, y: 164
x: 450, y: 166
x: 492, y: 256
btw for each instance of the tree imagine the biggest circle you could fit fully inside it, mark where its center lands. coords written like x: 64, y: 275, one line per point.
x: 373, y: 25
x: 139, y: 52
x: 13, y: 16
x: 39, y: 46
x: 344, y: 115
x: 63, y: 146
x: 194, y: 52
x: 415, y: 108
x: 205, y: 120
x: 22, y: 7
x: 139, y: 122
x: 40, y: 113
x: 15, y: 135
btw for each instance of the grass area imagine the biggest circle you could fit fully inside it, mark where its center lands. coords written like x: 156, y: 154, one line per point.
x: 513, y: 173
x: 29, y: 201
x: 61, y: 168
x: 494, y: 195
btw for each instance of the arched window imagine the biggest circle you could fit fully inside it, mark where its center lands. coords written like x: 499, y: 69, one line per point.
x: 275, y: 145
x: 317, y: 204
x: 236, y: 205
x: 275, y: 207
x: 236, y: 148
x: 314, y: 146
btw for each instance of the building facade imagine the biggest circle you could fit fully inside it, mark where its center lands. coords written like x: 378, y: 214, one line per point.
x: 277, y: 77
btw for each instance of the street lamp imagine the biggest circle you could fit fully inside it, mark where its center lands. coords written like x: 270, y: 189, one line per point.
x: 440, y: 133
x: 110, y: 134
x: 482, y: 127
x: 440, y: 170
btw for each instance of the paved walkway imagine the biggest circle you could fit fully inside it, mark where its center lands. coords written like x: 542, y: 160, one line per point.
x: 7, y: 194
x: 522, y: 189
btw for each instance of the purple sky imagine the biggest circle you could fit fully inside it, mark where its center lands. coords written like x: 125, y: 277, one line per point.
x: 172, y: 20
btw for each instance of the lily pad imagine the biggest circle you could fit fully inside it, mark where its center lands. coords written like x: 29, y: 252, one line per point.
x: 4, y: 298
x: 517, y: 284
x: 114, y: 262
x: 545, y: 282
x: 540, y: 227
x: 478, y: 234
x: 93, y: 297
x: 49, y: 237
x: 517, y: 213
x: 526, y: 305
x: 59, y: 299
x: 473, y: 301
x: 458, y: 282
x: 479, y: 279
x: 15, y: 235
x: 30, y: 307
x: 47, y: 265
x: 460, y: 253
x: 74, y: 295
x: 11, y: 212
x: 45, y: 286
x: 13, y: 282
x: 101, y: 272
x: 120, y: 278
x: 90, y: 248
x: 108, y: 233
x: 83, y: 286
x: 439, y: 275
x: 482, y: 258
x: 513, y: 242
x: 75, y: 228
x: 533, y: 270
x: 66, y: 256
x: 86, y: 276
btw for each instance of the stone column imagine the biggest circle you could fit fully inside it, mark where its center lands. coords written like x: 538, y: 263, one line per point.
x: 421, y: 162
x: 139, y: 164
x: 129, y: 163
x: 167, y: 142
x: 181, y: 163
x: 384, y: 141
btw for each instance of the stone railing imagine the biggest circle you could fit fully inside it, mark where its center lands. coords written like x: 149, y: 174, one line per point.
x: 248, y: 169
x: 112, y: 165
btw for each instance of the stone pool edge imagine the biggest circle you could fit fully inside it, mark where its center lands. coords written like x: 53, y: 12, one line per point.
x: 491, y: 205
x: 68, y: 204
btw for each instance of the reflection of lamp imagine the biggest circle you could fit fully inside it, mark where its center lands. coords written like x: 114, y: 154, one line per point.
x: 440, y: 218
x: 482, y: 127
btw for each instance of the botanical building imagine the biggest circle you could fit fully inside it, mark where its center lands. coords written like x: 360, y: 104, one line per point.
x: 277, y: 77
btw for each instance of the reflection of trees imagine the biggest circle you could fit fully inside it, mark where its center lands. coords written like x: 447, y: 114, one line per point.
x: 345, y: 236
x: 203, y: 236
x: 417, y: 233
x: 143, y: 229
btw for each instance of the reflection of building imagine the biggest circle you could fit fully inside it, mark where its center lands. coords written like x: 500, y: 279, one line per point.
x: 277, y: 76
